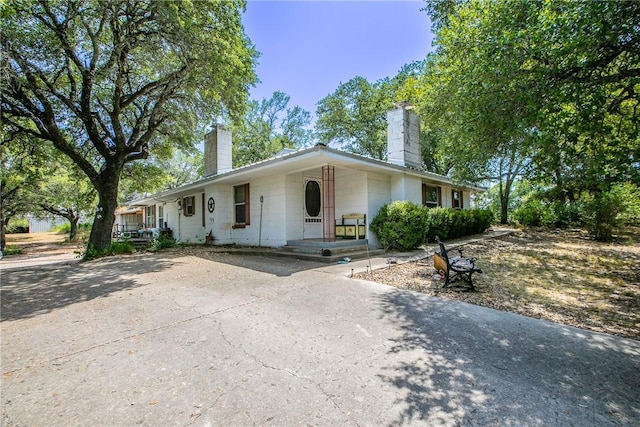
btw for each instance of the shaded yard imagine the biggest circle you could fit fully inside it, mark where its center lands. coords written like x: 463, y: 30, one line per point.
x: 561, y: 276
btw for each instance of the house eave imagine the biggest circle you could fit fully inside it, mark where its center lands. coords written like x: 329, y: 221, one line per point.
x: 297, y: 161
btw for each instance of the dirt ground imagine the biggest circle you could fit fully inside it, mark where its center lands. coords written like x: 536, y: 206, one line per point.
x: 37, y: 243
x: 562, y: 276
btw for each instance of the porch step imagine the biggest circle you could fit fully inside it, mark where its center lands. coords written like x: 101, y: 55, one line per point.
x: 330, y: 252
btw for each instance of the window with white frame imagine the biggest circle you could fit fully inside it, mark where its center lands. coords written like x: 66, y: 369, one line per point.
x: 189, y: 206
x: 150, y: 216
x: 241, y: 205
x: 456, y: 199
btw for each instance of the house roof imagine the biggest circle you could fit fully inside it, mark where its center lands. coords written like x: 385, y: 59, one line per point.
x: 298, y: 161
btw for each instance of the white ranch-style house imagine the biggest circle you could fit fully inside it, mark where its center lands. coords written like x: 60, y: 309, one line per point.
x: 317, y: 193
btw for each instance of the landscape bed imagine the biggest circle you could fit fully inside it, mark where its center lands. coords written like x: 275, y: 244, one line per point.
x: 562, y: 276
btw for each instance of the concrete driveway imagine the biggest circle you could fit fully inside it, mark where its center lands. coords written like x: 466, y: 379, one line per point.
x: 245, y: 340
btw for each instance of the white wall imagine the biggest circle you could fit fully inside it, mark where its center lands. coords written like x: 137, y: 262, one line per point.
x: 378, y: 195
x: 191, y: 229
x: 42, y: 225
x: 273, y: 231
x: 294, y: 206
x: 222, y: 220
x: 351, y: 192
x: 406, y: 188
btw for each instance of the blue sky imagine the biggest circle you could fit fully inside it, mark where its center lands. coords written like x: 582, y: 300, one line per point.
x: 309, y: 47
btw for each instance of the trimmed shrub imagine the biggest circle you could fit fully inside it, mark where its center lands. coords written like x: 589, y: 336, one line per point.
x: 400, y: 225
x: 405, y: 225
x: 440, y: 223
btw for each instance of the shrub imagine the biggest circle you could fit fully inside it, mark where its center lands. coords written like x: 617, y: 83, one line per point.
x: 405, y: 225
x: 10, y: 250
x: 448, y: 223
x: 400, y: 225
x: 162, y: 242
x: 440, y: 223
x: 601, y: 214
x: 629, y: 195
x: 116, y: 248
x: 532, y: 213
x: 123, y: 247
x: 18, y: 225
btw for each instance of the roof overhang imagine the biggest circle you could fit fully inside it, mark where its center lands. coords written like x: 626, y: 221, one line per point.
x: 299, y: 161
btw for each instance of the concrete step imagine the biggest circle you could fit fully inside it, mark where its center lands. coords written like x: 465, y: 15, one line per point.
x: 333, y: 258
x: 313, y: 250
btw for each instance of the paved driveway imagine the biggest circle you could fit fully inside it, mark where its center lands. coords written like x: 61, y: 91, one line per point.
x: 184, y: 340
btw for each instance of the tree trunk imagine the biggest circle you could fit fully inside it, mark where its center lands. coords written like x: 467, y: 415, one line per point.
x: 3, y: 228
x: 73, y: 231
x: 504, y: 209
x: 102, y: 229
x: 504, y: 201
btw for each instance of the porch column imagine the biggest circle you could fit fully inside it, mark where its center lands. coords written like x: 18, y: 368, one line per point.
x: 328, y: 203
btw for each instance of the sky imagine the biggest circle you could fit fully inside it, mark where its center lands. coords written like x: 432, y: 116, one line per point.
x: 309, y: 47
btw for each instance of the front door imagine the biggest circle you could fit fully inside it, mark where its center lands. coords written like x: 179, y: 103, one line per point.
x: 312, y: 209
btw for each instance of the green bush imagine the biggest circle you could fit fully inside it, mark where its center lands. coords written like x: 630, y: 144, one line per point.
x: 601, y: 214
x: 405, y: 225
x: 18, y: 225
x: 65, y: 227
x: 532, y: 213
x: 629, y: 195
x: 162, y: 242
x: 565, y: 214
x: 116, y: 248
x: 11, y: 250
x: 440, y: 222
x: 400, y: 225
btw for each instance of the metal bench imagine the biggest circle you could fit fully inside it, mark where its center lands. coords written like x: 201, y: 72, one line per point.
x: 455, y: 268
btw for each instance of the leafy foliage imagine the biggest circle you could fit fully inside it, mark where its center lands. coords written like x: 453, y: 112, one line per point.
x: 106, y: 83
x: 162, y: 242
x: 354, y: 115
x: 23, y: 167
x: 400, y: 225
x: 541, y: 89
x: 124, y: 247
x: 268, y: 127
x: 405, y: 225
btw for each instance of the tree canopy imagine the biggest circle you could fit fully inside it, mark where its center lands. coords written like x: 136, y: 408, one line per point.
x: 268, y: 126
x: 106, y: 83
x: 354, y: 115
x: 548, y: 84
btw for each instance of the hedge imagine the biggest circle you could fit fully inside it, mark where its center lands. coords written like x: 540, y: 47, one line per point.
x: 404, y: 225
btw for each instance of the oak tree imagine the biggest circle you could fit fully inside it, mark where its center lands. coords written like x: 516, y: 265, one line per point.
x: 106, y: 82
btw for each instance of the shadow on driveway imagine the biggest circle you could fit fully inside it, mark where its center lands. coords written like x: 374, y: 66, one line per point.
x: 476, y: 366
x: 23, y: 295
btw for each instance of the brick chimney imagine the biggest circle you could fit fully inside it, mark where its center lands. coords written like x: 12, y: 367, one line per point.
x: 403, y: 138
x: 217, y: 151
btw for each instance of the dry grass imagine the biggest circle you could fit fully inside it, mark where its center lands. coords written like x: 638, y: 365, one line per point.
x: 34, y: 243
x: 561, y: 276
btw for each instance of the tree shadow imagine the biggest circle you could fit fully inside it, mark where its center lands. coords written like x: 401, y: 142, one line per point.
x: 28, y: 292
x: 477, y: 366
x: 265, y: 262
